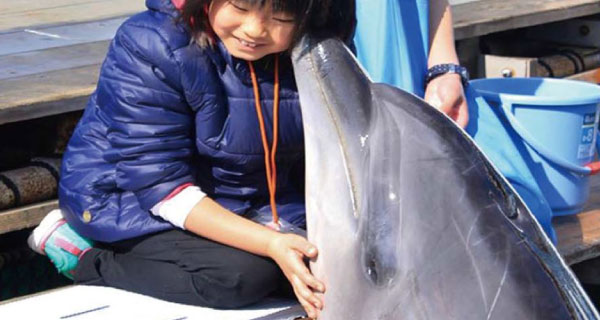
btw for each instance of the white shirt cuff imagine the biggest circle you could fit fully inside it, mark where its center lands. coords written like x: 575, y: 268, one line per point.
x: 176, y: 209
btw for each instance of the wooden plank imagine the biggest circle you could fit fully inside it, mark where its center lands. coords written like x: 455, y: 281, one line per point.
x: 45, y: 94
x: 579, y: 235
x: 10, y: 7
x: 593, y: 201
x: 16, y: 15
x: 592, y: 76
x: 482, y: 17
x: 25, y: 217
x: 51, y: 70
x: 42, y: 61
x: 52, y: 37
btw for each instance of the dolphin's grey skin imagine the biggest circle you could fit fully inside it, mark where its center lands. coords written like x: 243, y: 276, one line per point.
x: 410, y: 218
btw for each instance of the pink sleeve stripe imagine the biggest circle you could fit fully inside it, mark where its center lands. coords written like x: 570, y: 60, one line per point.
x: 67, y: 246
x: 177, y: 191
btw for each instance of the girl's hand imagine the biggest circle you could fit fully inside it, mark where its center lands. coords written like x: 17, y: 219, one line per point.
x: 288, y: 251
x: 447, y: 95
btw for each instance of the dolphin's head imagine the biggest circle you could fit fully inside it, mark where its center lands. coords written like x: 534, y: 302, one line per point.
x: 410, y: 218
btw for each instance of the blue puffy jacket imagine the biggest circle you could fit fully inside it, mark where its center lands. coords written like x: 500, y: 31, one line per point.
x: 166, y: 113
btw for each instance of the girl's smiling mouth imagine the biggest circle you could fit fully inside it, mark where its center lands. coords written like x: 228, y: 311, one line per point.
x: 249, y: 44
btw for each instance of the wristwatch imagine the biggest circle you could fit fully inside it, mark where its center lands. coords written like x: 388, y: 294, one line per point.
x: 441, y: 69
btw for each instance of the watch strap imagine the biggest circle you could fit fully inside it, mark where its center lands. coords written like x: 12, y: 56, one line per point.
x: 441, y: 69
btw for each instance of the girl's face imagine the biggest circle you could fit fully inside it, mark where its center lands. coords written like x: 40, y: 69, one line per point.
x: 250, y: 32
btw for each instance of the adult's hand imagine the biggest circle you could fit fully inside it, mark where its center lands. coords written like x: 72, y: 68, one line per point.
x: 446, y: 93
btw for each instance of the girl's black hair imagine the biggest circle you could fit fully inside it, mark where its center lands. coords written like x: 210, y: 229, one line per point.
x: 320, y: 18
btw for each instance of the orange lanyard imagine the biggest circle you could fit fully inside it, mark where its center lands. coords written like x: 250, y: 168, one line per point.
x: 269, y: 155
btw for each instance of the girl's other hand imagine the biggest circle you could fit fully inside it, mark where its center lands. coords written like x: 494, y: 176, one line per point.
x: 446, y: 93
x: 288, y: 251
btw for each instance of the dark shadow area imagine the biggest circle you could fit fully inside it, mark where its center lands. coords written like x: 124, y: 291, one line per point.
x: 48, y: 136
x: 23, y: 271
x: 588, y: 273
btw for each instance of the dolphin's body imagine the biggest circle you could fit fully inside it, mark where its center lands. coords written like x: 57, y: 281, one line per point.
x: 410, y: 218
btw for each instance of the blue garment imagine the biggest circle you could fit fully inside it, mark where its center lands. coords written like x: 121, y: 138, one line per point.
x: 166, y: 113
x: 392, y: 44
x: 392, y: 41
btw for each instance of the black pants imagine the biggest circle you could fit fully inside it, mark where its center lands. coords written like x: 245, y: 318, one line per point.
x: 181, y: 267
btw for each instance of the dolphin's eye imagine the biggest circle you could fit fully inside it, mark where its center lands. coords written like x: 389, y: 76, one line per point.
x: 372, y: 269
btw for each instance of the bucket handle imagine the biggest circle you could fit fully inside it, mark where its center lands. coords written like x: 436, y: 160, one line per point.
x: 589, y: 169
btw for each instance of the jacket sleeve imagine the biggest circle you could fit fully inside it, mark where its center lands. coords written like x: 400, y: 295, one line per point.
x: 150, y: 125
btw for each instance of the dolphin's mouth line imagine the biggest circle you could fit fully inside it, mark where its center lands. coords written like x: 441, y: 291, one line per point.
x: 343, y: 148
x: 378, y: 259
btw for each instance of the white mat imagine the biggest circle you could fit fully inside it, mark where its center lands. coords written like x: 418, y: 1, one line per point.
x: 100, y: 303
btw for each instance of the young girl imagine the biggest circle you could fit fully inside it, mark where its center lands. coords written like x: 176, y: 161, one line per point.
x: 195, y: 127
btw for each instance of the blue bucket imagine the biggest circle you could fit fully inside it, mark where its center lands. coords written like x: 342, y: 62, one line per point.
x: 557, y: 123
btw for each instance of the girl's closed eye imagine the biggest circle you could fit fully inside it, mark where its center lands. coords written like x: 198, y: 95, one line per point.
x: 284, y: 18
x: 239, y: 5
x: 244, y: 6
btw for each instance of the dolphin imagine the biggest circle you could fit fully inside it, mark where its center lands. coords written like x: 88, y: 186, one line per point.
x: 411, y: 219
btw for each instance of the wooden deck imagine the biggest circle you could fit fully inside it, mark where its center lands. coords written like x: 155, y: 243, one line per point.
x: 51, y: 53
x: 481, y: 17
x: 19, y: 15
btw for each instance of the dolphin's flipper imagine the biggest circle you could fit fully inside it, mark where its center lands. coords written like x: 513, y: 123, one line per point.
x: 410, y: 218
